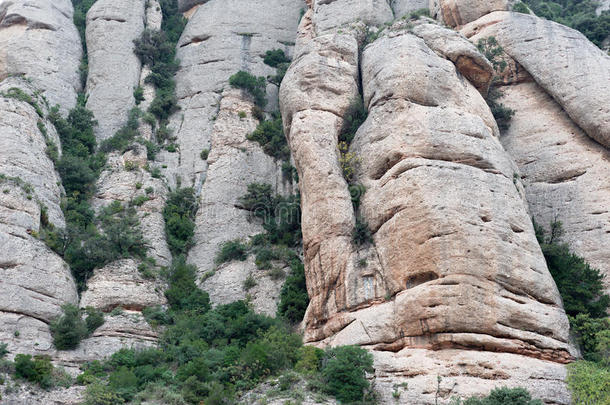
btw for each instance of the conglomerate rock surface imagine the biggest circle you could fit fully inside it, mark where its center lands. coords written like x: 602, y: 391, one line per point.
x: 451, y: 295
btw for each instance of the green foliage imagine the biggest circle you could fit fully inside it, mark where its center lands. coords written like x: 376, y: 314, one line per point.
x: 277, y: 58
x: 578, y: 14
x: 310, y: 360
x: 20, y: 95
x: 183, y: 294
x: 356, y: 192
x: 354, y: 118
x: 361, y: 233
x: 580, y: 285
x: 256, y: 86
x: 204, y: 154
x: 589, y: 383
x: 232, y: 250
x: 344, y: 371
x: 138, y: 94
x: 504, y: 396
x: 99, y: 394
x: 179, y: 213
x: 249, y: 282
x: 80, y: 20
x: 122, y: 139
x: 123, y: 383
x: 270, y: 136
x: 592, y: 335
x: 293, y: 296
x: 494, y: 53
x: 70, y: 328
x: 3, y: 350
x: 422, y: 12
x: 37, y: 370
x: 520, y: 7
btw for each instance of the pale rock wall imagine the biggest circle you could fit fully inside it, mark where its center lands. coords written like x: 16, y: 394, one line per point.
x: 221, y: 38
x: 114, y: 70
x: 40, y: 42
x: 28, y: 301
x: 564, y: 171
x: 405, y: 7
x: 455, y: 13
x: 563, y: 62
x: 455, y: 273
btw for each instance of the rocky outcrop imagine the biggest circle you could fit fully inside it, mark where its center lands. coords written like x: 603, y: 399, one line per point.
x: 563, y: 62
x: 454, y: 270
x: 28, y: 301
x: 186, y: 5
x: 41, y: 43
x: 459, y: 12
x: 402, y: 8
x: 114, y: 70
x: 565, y: 173
x: 235, y: 36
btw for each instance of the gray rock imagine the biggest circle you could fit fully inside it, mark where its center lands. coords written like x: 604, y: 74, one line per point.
x: 565, y: 173
x: 41, y: 43
x: 402, y: 8
x: 329, y: 15
x: 459, y: 12
x: 563, y: 62
x: 186, y: 5
x: 114, y: 70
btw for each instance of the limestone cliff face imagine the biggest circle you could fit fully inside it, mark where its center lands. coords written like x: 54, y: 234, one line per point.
x: 452, y: 284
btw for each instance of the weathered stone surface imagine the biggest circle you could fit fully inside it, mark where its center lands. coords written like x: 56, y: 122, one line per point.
x: 114, y: 70
x: 603, y: 6
x: 125, y: 330
x: 463, y: 374
x: 186, y: 5
x: 117, y: 183
x: 235, y: 36
x: 459, y: 12
x: 23, y: 147
x: 28, y: 301
x: 402, y: 8
x: 41, y: 42
x: 332, y: 14
x: 120, y: 284
x: 455, y: 47
x: 33, y: 395
x: 234, y: 163
x: 226, y: 285
x: 566, y: 174
x: 563, y: 62
x: 154, y: 15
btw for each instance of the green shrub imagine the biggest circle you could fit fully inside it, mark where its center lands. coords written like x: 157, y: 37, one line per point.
x: 293, y: 296
x: 138, y: 94
x: 123, y: 137
x: 520, y: 7
x: 592, y: 335
x: 37, y: 370
x: 139, y: 200
x: 354, y: 117
x: 69, y: 329
x: 310, y: 360
x: 124, y: 383
x: 179, y: 213
x: 580, y: 285
x: 275, y: 57
x: 94, y: 319
x: 20, y: 95
x: 256, y: 86
x: 249, y: 282
x: 361, y: 233
x: 232, y: 250
x: 99, y: 394
x: 503, y: 396
x: 270, y: 136
x: 183, y: 294
x: 3, y: 350
x: 204, y: 154
x: 344, y: 371
x: 589, y: 383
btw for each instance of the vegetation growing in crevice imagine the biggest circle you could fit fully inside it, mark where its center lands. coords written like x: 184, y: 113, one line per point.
x: 501, y: 396
x: 581, y: 288
x: 276, y: 58
x: 18, y: 94
x: 81, y: 7
x: 493, y: 52
x: 179, y: 214
x: 578, y: 14
x: 255, y: 86
x: 270, y: 136
x: 70, y: 328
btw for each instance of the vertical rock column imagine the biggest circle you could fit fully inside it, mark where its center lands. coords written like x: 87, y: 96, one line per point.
x: 561, y: 109
x: 222, y: 38
x: 114, y: 70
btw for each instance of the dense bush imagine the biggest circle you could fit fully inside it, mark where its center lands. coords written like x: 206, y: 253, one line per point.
x: 123, y: 138
x: 232, y: 250
x: 270, y: 135
x: 589, y: 383
x: 70, y: 328
x: 354, y: 118
x: 277, y: 58
x: 37, y: 370
x: 361, y: 233
x: 344, y: 371
x: 580, y: 285
x: 80, y: 21
x: 293, y: 296
x: 183, y: 294
x: 256, y: 86
x: 578, y: 14
x: 179, y: 213
x: 502, y: 396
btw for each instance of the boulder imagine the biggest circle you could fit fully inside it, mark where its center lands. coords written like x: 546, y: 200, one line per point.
x: 403, y: 8
x: 455, y: 13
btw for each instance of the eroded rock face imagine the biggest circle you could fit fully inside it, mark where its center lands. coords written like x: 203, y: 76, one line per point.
x: 459, y: 12
x: 28, y: 301
x: 114, y: 70
x: 39, y: 40
x: 406, y: 7
x: 571, y: 69
x: 454, y: 264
